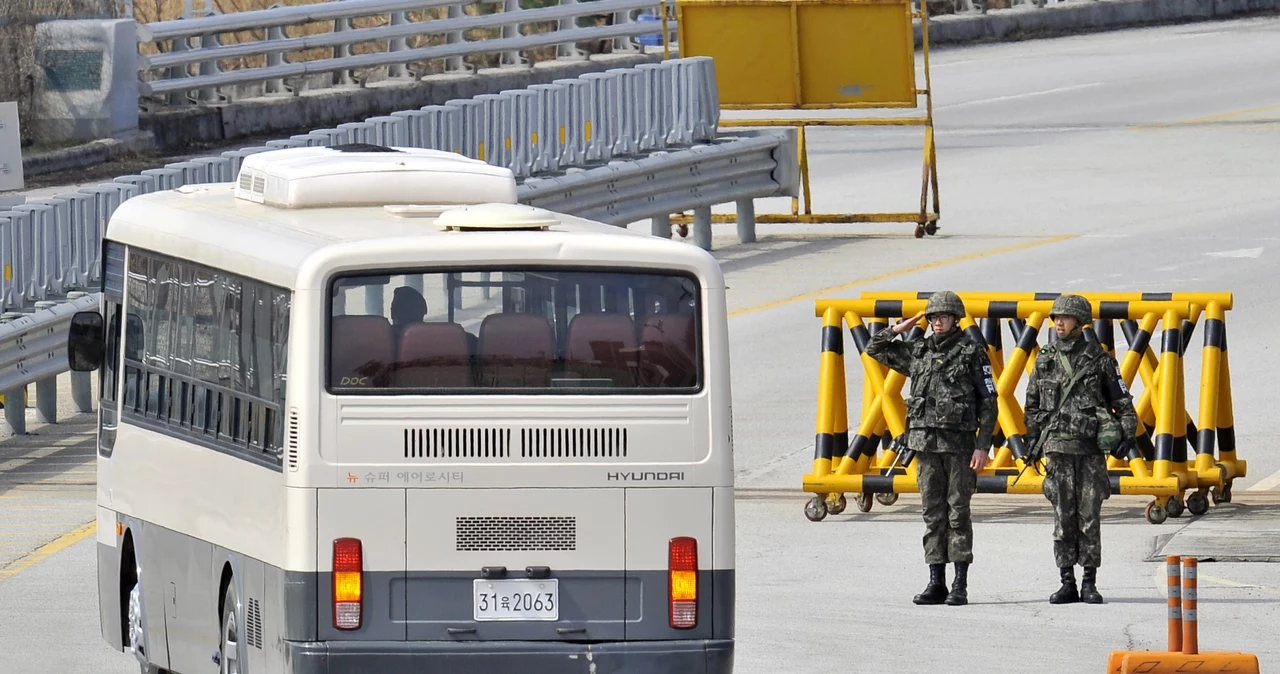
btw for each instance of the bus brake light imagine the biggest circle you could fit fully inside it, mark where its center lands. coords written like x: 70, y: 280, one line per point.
x: 682, y: 571
x: 348, y: 582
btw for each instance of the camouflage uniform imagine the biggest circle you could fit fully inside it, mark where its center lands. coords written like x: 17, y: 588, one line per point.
x: 1076, y: 480
x: 952, y: 397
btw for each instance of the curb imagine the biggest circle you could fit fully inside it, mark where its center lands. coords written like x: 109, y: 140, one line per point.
x: 89, y: 154
x: 1070, y: 18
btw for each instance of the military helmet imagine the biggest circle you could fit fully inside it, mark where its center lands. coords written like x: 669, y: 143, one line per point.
x: 1072, y: 305
x: 945, y: 302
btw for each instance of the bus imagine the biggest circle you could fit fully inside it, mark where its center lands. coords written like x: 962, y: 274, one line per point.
x: 363, y: 411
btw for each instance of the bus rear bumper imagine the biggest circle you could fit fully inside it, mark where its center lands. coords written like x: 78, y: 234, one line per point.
x: 504, y: 657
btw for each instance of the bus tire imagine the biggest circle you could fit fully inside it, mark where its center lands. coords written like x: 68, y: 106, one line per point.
x: 229, y: 635
x: 135, y: 622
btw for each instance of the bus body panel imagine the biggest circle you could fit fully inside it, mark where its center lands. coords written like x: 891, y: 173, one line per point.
x: 376, y: 517
x: 573, y: 537
x: 621, y: 657
x: 204, y: 493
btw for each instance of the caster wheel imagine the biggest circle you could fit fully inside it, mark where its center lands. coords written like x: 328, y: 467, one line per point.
x: 1226, y: 493
x: 815, y: 509
x: 836, y: 505
x: 887, y: 499
x: 931, y: 228
x: 919, y: 231
x: 683, y: 231
x: 864, y: 502
x: 1198, y: 503
x: 1156, y: 514
x: 1176, y: 506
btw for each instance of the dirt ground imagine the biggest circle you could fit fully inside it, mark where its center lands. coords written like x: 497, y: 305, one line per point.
x: 126, y: 164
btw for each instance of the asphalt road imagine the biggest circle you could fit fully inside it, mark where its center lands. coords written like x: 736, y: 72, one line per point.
x: 1136, y: 160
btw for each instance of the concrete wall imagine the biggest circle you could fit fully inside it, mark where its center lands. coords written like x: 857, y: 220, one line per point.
x: 87, y: 87
x: 282, y: 116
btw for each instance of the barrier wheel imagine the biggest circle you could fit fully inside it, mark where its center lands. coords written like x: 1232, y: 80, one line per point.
x: 1175, y: 507
x: 887, y: 499
x: 1198, y: 503
x: 815, y: 509
x: 864, y: 502
x: 1156, y: 514
x: 1226, y: 493
x: 835, y: 506
x: 919, y: 231
x: 931, y: 228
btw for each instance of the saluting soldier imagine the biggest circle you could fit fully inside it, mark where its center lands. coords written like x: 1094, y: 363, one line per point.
x: 1077, y: 410
x: 951, y: 414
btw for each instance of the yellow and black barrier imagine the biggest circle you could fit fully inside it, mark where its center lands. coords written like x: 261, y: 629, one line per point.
x: 865, y: 463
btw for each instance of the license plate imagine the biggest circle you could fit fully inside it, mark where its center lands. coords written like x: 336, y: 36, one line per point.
x: 517, y: 599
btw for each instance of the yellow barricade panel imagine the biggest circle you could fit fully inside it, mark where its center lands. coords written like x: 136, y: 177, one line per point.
x: 753, y: 48
x: 804, y: 54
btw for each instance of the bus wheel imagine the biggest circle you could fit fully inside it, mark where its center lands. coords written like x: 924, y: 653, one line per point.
x: 137, y: 635
x: 815, y: 509
x: 228, y: 656
x: 137, y: 630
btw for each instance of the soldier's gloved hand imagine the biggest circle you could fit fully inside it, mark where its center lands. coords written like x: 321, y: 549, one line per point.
x: 1122, y: 450
x: 1032, y: 445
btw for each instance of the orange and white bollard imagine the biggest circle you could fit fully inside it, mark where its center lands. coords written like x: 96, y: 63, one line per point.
x: 1184, y: 644
x: 1190, y: 638
x: 1172, y: 563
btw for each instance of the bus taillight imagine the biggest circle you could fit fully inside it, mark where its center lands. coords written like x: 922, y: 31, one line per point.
x: 348, y: 582
x: 682, y: 572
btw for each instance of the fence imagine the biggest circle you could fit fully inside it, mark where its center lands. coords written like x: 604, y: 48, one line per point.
x: 255, y: 47
x: 846, y: 457
x: 617, y: 146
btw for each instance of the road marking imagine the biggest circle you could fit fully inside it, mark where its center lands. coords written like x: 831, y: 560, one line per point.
x: 1266, y: 483
x: 901, y: 272
x: 1011, y: 97
x: 1243, y: 586
x: 1242, y: 252
x: 49, y: 549
x: 1208, y: 119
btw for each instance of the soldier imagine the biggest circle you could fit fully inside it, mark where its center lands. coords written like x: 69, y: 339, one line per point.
x: 952, y: 397
x: 1072, y: 395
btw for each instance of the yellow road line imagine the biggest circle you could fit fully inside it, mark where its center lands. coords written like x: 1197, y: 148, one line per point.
x: 900, y: 272
x: 1208, y: 119
x: 49, y: 549
x: 20, y: 534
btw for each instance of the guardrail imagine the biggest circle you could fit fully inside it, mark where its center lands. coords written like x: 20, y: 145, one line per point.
x: 617, y: 146
x: 269, y: 56
x: 755, y: 165
x: 33, y: 348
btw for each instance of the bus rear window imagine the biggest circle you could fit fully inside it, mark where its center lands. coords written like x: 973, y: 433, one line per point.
x: 555, y: 331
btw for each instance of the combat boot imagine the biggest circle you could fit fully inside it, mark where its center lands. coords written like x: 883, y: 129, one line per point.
x: 936, y: 591
x: 960, y: 588
x: 1067, y: 594
x: 1089, y: 586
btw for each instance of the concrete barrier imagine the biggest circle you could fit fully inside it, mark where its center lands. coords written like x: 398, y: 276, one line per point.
x: 283, y: 116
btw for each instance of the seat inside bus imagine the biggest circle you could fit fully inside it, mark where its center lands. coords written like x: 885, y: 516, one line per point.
x: 515, y: 350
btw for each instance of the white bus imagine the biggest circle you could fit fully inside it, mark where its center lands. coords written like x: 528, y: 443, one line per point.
x: 361, y: 411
